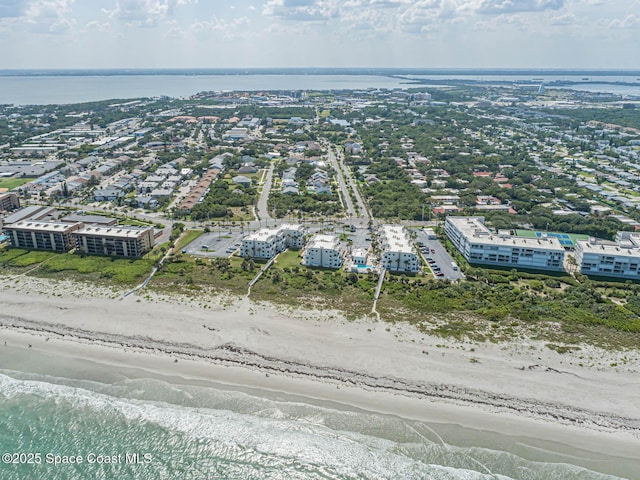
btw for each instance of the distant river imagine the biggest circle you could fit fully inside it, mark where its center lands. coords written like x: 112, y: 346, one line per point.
x: 43, y: 90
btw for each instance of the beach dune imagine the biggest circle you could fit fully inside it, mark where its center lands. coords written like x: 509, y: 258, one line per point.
x: 522, y: 389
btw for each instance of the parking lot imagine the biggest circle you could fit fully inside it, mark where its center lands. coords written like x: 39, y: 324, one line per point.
x: 215, y: 244
x: 439, y: 260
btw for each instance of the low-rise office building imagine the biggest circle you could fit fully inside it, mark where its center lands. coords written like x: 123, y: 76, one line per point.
x: 268, y: 242
x: 54, y: 236
x: 323, y: 251
x: 398, y: 254
x: 480, y: 246
x: 116, y: 240
x: 620, y: 259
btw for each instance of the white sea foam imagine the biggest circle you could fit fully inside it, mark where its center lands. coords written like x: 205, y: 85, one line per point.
x: 275, y: 440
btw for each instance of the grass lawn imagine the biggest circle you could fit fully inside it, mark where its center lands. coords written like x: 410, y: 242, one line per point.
x: 8, y: 254
x: 32, y: 258
x: 13, y: 182
x: 120, y: 270
x: 187, y: 238
x: 239, y: 215
x: 289, y: 259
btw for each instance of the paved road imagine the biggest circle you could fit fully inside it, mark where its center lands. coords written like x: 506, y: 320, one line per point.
x: 342, y: 185
x: 364, y: 216
x: 441, y: 257
x: 263, y: 209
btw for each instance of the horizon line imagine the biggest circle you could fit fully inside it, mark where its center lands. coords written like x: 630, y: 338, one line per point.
x: 329, y: 68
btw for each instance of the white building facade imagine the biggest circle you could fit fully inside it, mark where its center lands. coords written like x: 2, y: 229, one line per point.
x: 268, y: 242
x: 398, y: 254
x: 619, y: 259
x: 323, y: 251
x: 480, y: 246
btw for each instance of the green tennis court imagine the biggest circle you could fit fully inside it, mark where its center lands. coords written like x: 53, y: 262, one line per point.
x: 565, y: 239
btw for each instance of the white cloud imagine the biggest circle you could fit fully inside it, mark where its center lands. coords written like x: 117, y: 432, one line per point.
x: 329, y: 32
x: 227, y: 29
x: 516, y: 6
x: 38, y: 16
x: 630, y: 21
x: 302, y: 10
x: 145, y: 13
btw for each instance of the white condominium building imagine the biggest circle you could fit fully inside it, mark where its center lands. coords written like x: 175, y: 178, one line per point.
x: 620, y: 259
x: 359, y: 256
x: 268, y: 242
x: 9, y: 201
x: 293, y: 235
x: 54, y: 236
x: 323, y: 251
x: 116, y: 240
x: 480, y: 246
x: 398, y: 254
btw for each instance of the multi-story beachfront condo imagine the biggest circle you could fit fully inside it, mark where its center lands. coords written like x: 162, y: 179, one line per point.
x: 116, y: 240
x: 54, y: 236
x: 480, y: 246
x: 9, y: 202
x: 620, y: 259
x: 293, y: 235
x: 398, y: 254
x: 268, y: 242
x: 323, y: 251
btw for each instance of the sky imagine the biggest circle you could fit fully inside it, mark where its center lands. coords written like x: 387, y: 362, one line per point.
x: 319, y: 33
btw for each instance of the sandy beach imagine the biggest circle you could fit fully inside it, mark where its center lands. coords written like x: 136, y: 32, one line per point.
x: 586, y: 401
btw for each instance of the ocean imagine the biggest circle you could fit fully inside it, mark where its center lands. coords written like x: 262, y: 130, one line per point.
x: 146, y: 429
x: 116, y: 425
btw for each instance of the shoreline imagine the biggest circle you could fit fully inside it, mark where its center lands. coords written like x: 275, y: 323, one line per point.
x: 535, y: 438
x: 321, y: 359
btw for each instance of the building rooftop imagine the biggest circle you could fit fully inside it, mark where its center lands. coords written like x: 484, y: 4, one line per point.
x: 291, y: 227
x: 609, y: 248
x: 477, y: 232
x: 265, y: 234
x: 35, y: 212
x: 359, y: 252
x: 52, y: 227
x: 89, y: 219
x: 327, y: 242
x: 116, y: 231
x: 262, y: 235
x: 396, y: 239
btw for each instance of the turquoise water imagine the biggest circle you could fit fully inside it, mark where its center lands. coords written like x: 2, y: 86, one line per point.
x: 191, y: 432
